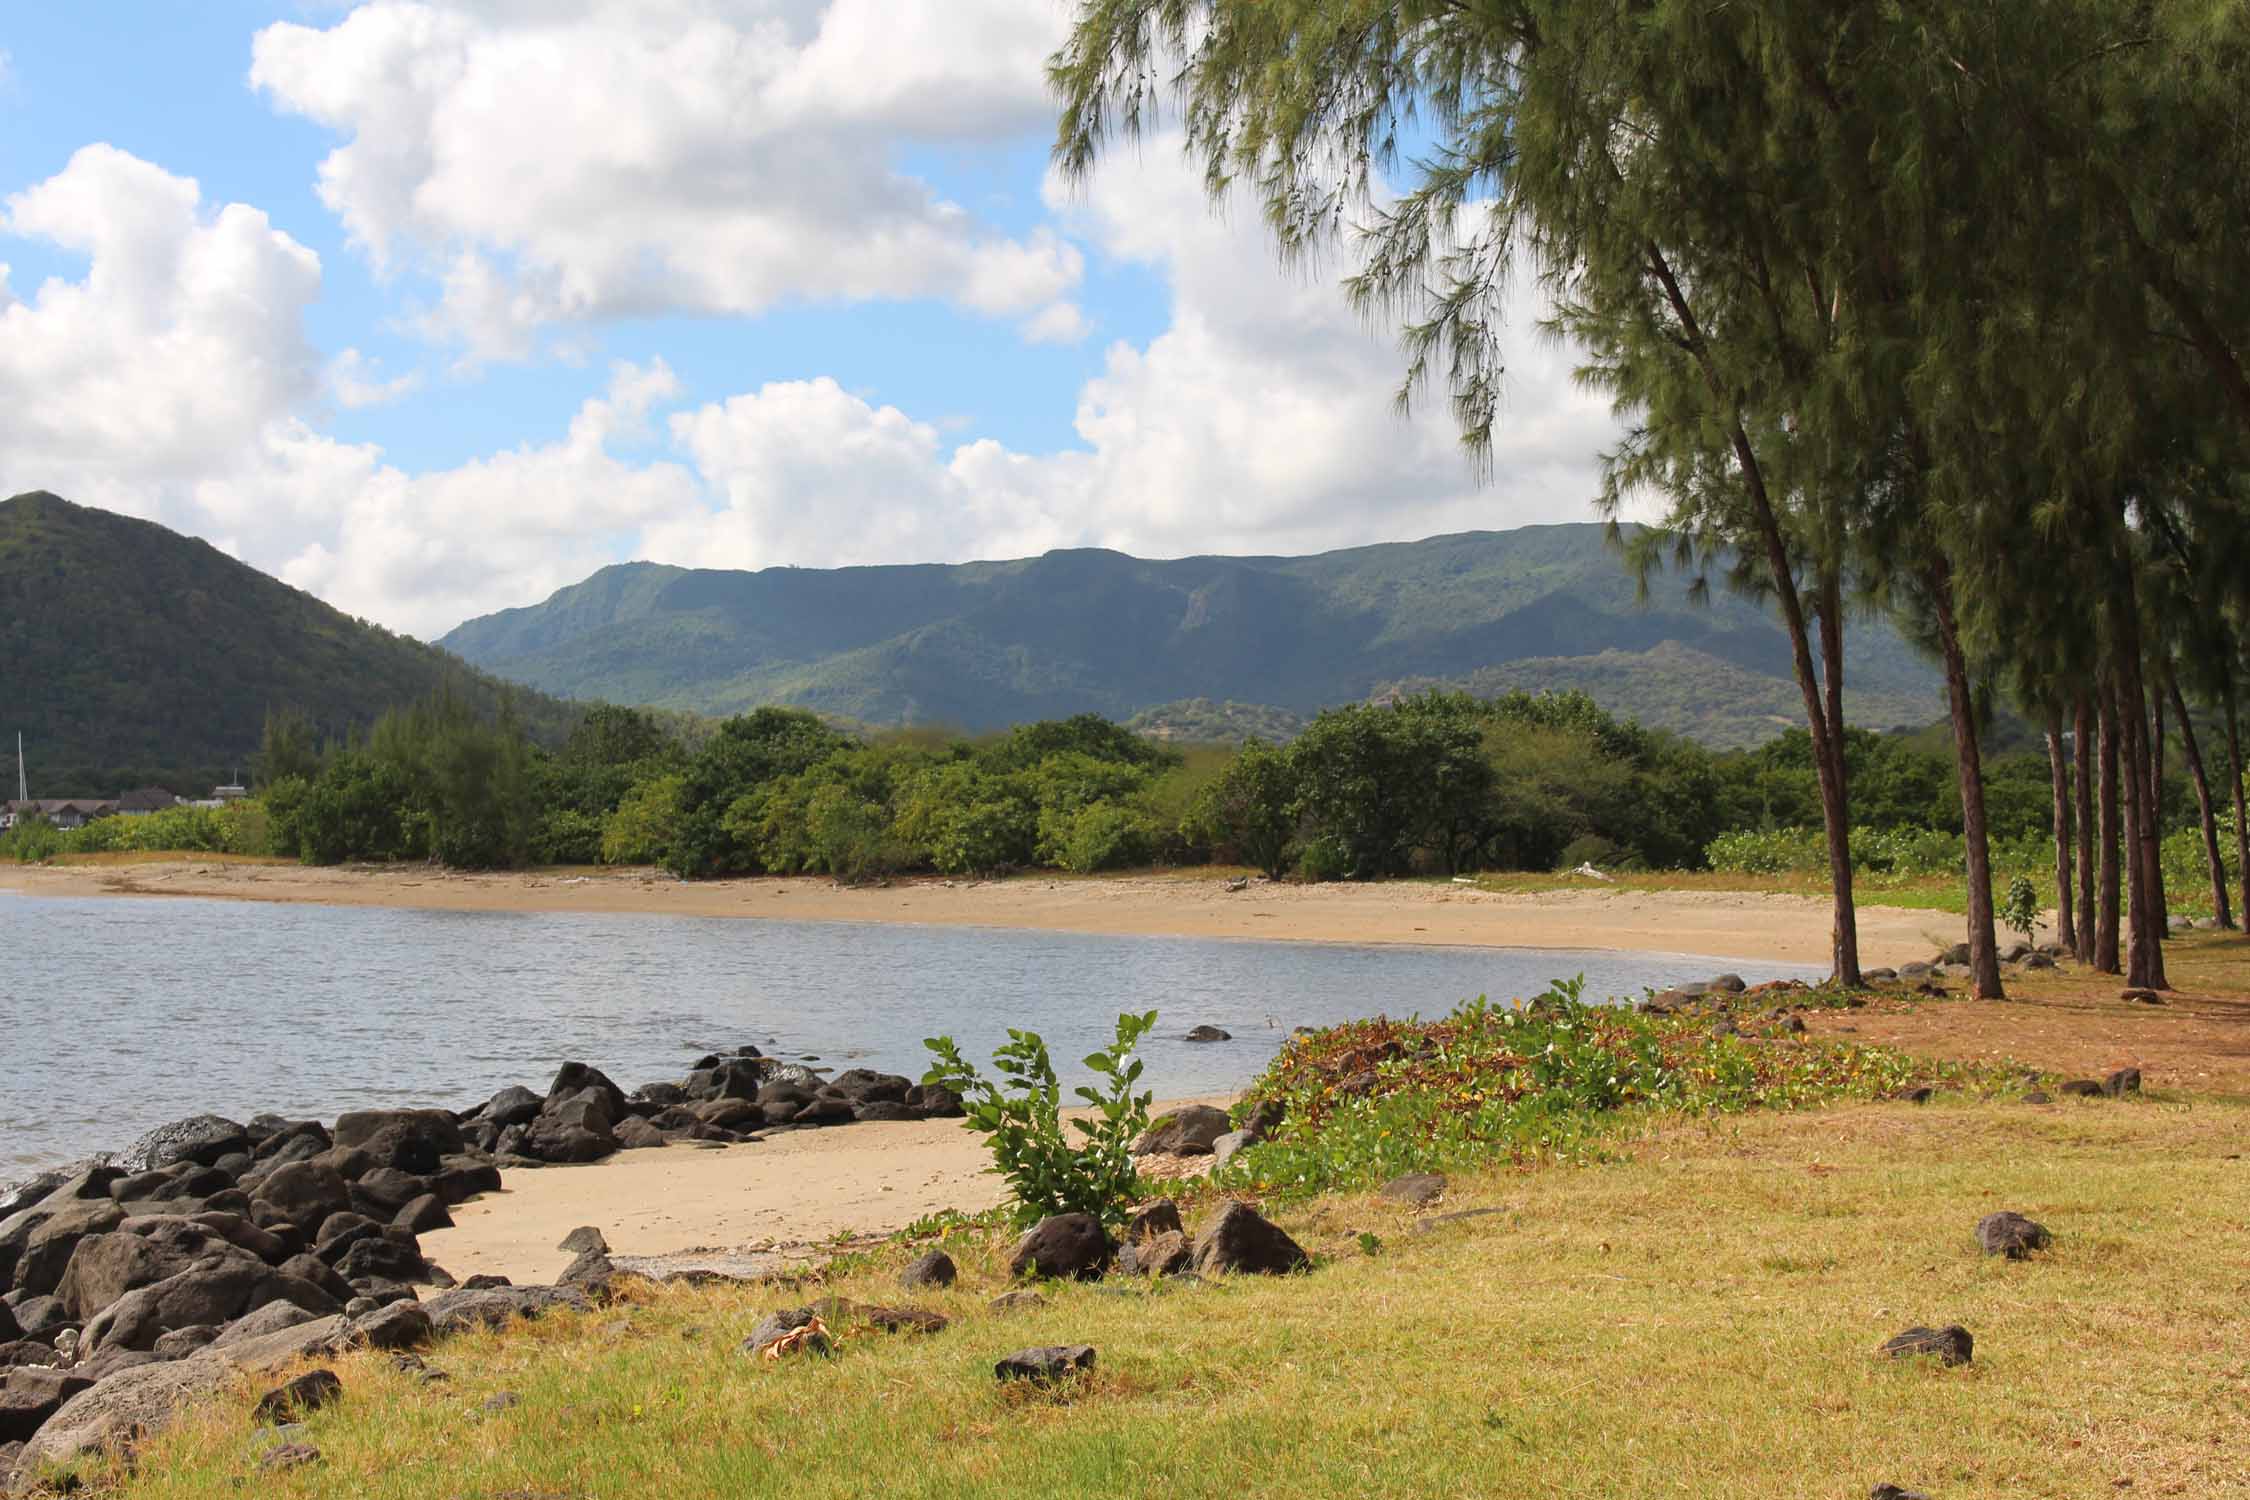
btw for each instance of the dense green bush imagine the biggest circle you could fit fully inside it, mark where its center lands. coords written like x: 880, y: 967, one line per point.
x: 1021, y: 1116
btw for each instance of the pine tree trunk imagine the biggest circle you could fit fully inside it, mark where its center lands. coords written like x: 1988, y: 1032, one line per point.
x: 2082, y: 764
x: 1827, y: 732
x: 2066, y: 927
x: 2105, y: 958
x: 2144, y: 869
x: 2241, y: 821
x: 1835, y: 792
x: 2211, y: 855
x: 1976, y: 848
x: 2154, y: 829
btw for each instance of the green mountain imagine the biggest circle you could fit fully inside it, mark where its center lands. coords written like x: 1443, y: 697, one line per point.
x: 131, y: 655
x: 991, y: 643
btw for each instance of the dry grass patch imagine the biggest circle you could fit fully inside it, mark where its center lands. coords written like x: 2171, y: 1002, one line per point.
x: 1699, y: 1321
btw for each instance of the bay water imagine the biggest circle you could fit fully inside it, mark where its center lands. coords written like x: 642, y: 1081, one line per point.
x: 117, y: 1015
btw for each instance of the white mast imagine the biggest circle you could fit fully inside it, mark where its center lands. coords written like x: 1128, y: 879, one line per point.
x: 23, y: 786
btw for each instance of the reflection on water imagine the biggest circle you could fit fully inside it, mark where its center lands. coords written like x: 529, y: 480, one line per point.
x: 116, y: 1015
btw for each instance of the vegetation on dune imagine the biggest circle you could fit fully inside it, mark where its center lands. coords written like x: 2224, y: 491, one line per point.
x: 1552, y: 1079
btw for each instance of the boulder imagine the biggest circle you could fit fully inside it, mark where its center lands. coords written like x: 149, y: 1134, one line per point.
x: 2083, y: 1088
x: 1957, y: 954
x: 2122, y: 1082
x: 728, y: 1114
x: 182, y: 1342
x: 404, y: 1324
x: 129, y: 1405
x: 237, y: 1231
x: 105, y: 1267
x: 1729, y: 984
x: 217, y: 1289
x: 270, y: 1319
x: 885, y: 1109
x: 1951, y: 1345
x: 293, y: 1141
x: 492, y: 1307
x: 1166, y: 1254
x: 1415, y: 1189
x: 48, y: 1248
x: 28, y: 1397
x: 576, y: 1078
x: 934, y: 1269
x: 826, y: 1109
x: 307, y: 1393
x: 202, y: 1139
x: 901, y: 1319
x: 41, y: 1317
x: 416, y: 1141
x: 1264, y: 1118
x: 638, y: 1135
x: 2011, y: 1235
x: 461, y: 1178
x: 304, y: 1193
x: 1063, y: 1246
x: 11, y: 1330
x: 2038, y: 961
x: 383, y: 1259
x: 1153, y: 1219
x: 1224, y: 1149
x: 513, y: 1105
x: 1047, y: 1364
x: 778, y: 1325
x: 865, y: 1086
x: 582, y: 1239
x: 728, y: 1078
x: 26, y: 1352
x: 935, y: 1102
x: 1018, y: 1301
x: 1243, y: 1240
x: 1209, y: 1034
x: 1190, y: 1131
x: 554, y: 1139
x: 423, y: 1215
x: 382, y: 1191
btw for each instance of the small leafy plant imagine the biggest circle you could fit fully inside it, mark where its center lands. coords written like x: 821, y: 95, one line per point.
x: 2020, y: 907
x: 1021, y: 1115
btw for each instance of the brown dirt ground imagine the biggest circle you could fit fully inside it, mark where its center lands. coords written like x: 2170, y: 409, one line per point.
x: 2075, y: 1023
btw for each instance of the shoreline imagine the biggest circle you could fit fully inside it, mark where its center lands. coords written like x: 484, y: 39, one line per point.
x: 1729, y: 925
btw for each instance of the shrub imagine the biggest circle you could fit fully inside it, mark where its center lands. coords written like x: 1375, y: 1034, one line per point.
x: 1022, y: 1119
x: 566, y: 836
x: 1325, y: 858
x: 638, y: 832
x: 1104, y: 836
x: 32, y: 841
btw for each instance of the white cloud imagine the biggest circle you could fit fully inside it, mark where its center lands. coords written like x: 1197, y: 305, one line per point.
x: 174, y: 380
x: 592, y: 159
x: 173, y: 353
x: 1261, y: 420
x: 357, y: 381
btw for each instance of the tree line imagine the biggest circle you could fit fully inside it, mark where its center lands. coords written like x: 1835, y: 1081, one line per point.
x: 1432, y: 784
x: 1932, y: 310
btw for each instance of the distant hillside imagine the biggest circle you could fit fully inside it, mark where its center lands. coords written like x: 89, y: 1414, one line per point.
x: 986, y: 644
x: 1199, y: 721
x: 132, y: 655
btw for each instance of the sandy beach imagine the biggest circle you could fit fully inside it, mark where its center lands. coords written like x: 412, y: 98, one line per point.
x: 1722, y: 925
x: 771, y: 1199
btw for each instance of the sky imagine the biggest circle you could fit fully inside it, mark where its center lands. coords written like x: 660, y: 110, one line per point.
x: 433, y: 307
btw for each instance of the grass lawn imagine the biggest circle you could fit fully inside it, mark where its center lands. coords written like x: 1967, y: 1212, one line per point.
x: 1700, y: 1320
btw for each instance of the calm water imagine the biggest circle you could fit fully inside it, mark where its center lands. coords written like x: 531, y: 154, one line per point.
x: 117, y: 1015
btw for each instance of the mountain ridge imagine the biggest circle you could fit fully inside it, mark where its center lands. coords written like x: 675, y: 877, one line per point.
x: 131, y: 654
x: 987, y: 643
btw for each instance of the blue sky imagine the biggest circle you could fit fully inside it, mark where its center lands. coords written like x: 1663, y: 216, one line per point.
x: 470, y: 297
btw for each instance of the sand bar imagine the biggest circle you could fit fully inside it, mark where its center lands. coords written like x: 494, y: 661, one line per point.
x: 1727, y: 925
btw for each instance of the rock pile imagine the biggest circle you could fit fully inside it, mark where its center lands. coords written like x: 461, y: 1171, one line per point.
x: 209, y: 1235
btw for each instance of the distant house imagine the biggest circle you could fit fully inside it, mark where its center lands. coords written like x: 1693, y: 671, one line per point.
x: 148, y: 799
x: 62, y: 812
